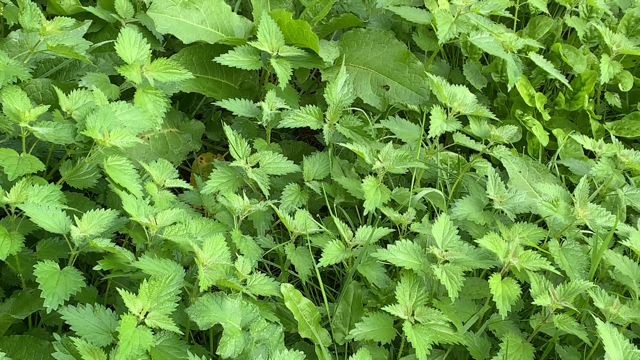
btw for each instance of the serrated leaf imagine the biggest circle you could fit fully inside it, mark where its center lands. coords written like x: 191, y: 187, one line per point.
x: 244, y: 57
x: 132, y: 47
x: 94, y: 323
x: 133, y: 339
x: 211, y: 78
x: 616, y: 345
x: 333, y: 252
x: 377, y: 327
x: 296, y: 32
x: 241, y: 107
x: 11, y: 242
x: 123, y: 173
x: 505, y: 292
x: 547, y: 66
x: 376, y: 194
x: 48, y: 217
x: 15, y: 165
x: 57, y: 284
x: 404, y: 253
x: 515, y: 347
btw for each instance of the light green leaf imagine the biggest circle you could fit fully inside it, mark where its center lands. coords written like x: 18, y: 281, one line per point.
x: 242, y: 57
x: 296, y: 32
x: 11, y: 242
x: 616, y: 345
x: 133, y: 339
x: 514, y: 347
x: 270, y: 37
x: 241, y: 107
x: 209, y: 21
x: 16, y: 165
x: 132, y: 47
x: 124, y: 8
x: 505, y: 292
x: 309, y: 116
x: 57, y: 284
x: 165, y: 70
x: 123, y: 173
x: 404, y: 253
x: 376, y: 327
x: 94, y: 323
x: 307, y: 316
x: 412, y: 14
x: 376, y: 194
x: 627, y: 127
x: 48, y: 217
x: 403, y: 129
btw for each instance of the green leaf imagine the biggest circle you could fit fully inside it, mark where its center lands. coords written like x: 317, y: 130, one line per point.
x: 377, y: 327
x: 403, y: 129
x: 94, y: 323
x: 48, y: 217
x: 616, y: 345
x: 270, y: 37
x: 207, y: 21
x: 627, y: 127
x: 133, y: 339
x: 348, y: 312
x: 295, y: 32
x: 57, y: 284
x: 241, y: 107
x: 123, y: 173
x: 412, y: 14
x: 547, y: 66
x: 570, y: 257
x: 376, y: 194
x: 11, y: 242
x: 514, y: 347
x: 238, y: 146
x: 333, y: 252
x: 404, y: 253
x: 505, y: 292
x: 609, y: 68
x: 211, y: 78
x: 15, y: 165
x: 132, y: 47
x: 81, y: 176
x: 375, y: 60
x: 283, y: 70
x: 89, y: 351
x: 473, y: 72
x: 12, y: 70
x: 124, y: 9
x: 309, y: 116
x: 165, y: 70
x: 233, y: 313
x: 244, y: 57
x: 440, y: 122
x: 307, y: 316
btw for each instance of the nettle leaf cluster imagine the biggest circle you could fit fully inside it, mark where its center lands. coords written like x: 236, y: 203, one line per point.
x: 361, y: 180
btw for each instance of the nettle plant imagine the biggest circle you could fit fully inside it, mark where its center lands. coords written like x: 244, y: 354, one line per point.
x: 319, y: 180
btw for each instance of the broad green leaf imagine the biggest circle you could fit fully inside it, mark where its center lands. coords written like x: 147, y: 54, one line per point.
x: 132, y: 47
x: 296, y: 32
x: 210, y: 78
x: 165, y: 70
x: 382, y: 69
x: 403, y: 129
x: 15, y: 165
x: 57, y: 284
x: 307, y: 316
x: 133, y: 339
x: 80, y: 176
x: 48, y: 217
x: 270, y: 37
x: 233, y: 313
x: 376, y: 194
x: 94, y: 323
x: 627, y: 127
x: 616, y: 345
x: 199, y: 20
x: 238, y: 146
x: 515, y: 347
x: 505, y: 292
x: 89, y: 351
x: 124, y: 9
x: 244, y: 57
x: 11, y: 242
x: 404, y: 253
x: 123, y: 173
x: 377, y: 327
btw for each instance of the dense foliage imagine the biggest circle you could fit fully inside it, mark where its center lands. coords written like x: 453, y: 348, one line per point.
x: 323, y: 179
